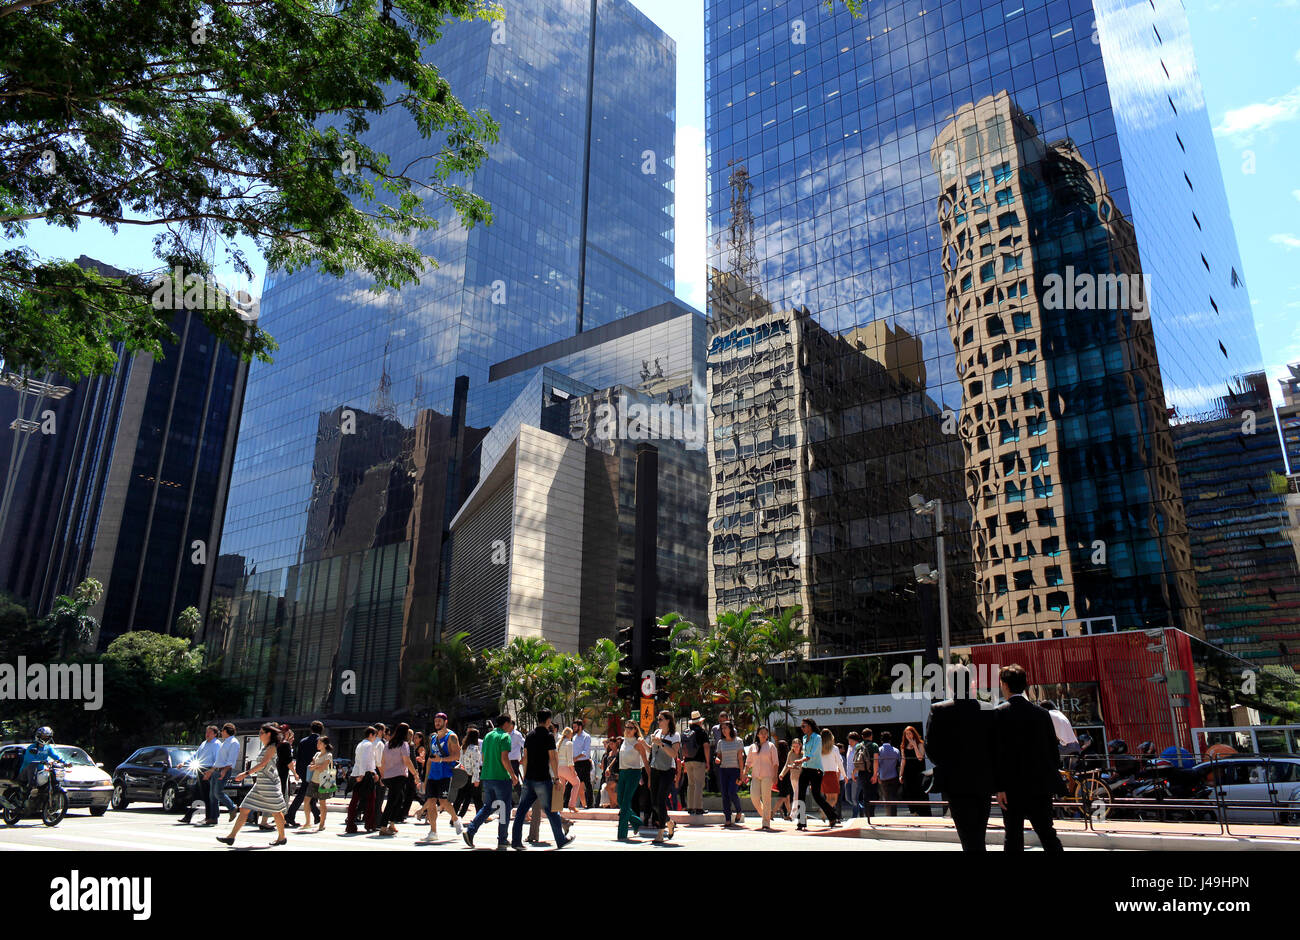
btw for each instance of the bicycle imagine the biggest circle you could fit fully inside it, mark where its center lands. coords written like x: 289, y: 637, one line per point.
x: 1086, y: 790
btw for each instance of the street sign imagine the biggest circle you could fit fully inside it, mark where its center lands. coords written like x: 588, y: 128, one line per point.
x: 647, y: 715
x: 648, y: 683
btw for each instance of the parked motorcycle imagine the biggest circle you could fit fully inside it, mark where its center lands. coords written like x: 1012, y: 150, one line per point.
x: 48, y: 799
x: 1167, y: 783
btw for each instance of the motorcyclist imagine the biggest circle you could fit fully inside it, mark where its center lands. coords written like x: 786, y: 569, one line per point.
x: 39, y: 753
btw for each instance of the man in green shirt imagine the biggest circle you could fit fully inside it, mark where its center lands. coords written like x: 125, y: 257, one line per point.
x: 499, y: 779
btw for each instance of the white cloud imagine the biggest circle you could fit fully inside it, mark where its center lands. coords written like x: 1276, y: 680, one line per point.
x: 1246, y: 121
x: 1286, y: 240
x: 1296, y: 193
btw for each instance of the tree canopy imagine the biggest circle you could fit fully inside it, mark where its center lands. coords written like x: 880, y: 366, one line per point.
x: 216, y: 123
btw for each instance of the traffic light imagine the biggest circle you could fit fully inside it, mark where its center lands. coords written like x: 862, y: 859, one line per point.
x: 660, y: 645
x: 628, y: 682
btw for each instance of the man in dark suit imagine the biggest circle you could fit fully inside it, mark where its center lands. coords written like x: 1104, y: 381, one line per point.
x: 959, y: 742
x: 1026, y: 764
x: 303, y: 755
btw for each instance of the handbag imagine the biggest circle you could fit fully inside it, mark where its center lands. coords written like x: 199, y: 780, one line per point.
x: 328, y: 782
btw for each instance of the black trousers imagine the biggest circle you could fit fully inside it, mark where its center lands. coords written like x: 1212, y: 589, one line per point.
x: 1038, y: 810
x: 313, y: 809
x: 199, y: 791
x: 469, y: 793
x: 395, y: 808
x: 811, y: 779
x: 971, y: 815
x: 583, y: 769
x: 661, y: 782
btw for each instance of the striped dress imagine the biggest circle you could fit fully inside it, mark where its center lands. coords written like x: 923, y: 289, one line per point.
x: 265, y: 796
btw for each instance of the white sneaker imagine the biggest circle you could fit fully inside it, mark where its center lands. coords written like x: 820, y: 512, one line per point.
x: 459, y: 828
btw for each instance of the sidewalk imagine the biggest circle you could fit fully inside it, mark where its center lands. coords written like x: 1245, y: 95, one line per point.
x: 1134, y: 835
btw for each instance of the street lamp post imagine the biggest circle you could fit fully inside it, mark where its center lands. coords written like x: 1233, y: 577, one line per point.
x: 934, y: 507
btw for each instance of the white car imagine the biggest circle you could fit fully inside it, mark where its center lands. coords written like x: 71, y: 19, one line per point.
x: 1264, y: 789
x: 86, y: 783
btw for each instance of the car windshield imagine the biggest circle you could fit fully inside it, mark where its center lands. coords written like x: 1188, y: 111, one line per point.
x: 73, y: 755
x: 181, y: 756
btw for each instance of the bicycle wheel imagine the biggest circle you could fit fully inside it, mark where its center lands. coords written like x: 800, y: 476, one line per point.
x: 1095, y: 798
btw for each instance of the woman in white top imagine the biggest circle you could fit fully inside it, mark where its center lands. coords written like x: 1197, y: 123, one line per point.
x: 665, y: 744
x: 832, y: 772
x: 471, y: 764
x: 566, y: 774
x: 633, y: 756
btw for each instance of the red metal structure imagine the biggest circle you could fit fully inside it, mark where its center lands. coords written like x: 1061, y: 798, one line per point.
x: 1133, y: 707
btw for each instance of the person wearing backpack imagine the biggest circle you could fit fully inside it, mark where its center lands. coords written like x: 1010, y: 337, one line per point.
x: 864, y: 760
x: 695, y: 761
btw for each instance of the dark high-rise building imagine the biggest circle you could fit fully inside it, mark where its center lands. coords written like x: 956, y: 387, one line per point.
x: 122, y: 479
x: 1288, y: 416
x: 986, y: 180
x: 335, y: 539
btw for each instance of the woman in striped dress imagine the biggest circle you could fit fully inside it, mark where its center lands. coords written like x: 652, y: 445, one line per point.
x: 265, y: 796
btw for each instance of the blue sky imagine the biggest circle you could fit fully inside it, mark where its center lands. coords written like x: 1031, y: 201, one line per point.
x: 1248, y: 53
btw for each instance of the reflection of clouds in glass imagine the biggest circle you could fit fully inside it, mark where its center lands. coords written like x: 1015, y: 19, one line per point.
x: 1135, y: 77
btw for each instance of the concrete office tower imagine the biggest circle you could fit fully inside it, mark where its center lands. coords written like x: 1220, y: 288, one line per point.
x: 581, y: 188
x: 123, y: 481
x: 1112, y: 170
x: 1288, y: 417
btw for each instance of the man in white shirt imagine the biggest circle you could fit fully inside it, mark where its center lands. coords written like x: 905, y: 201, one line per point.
x: 205, y: 763
x: 224, y: 775
x: 364, y: 771
x: 581, y: 758
x: 1067, y: 742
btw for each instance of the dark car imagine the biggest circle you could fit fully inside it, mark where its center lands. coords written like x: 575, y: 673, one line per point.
x: 160, y: 773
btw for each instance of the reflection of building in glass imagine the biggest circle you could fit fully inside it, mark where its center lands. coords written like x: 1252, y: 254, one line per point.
x: 1069, y: 466
x: 127, y: 484
x: 1236, y: 493
x: 581, y: 189
x: 1110, y: 153
x: 815, y: 443
x: 1288, y: 417
x: 544, y: 546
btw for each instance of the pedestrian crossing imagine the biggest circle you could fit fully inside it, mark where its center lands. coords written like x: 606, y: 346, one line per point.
x: 148, y: 830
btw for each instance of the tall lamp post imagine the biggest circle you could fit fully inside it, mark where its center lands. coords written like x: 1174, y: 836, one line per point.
x: 927, y: 575
x: 31, y: 395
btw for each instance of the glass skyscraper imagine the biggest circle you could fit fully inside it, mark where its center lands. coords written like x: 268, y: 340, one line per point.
x: 1027, y: 193
x: 354, y: 450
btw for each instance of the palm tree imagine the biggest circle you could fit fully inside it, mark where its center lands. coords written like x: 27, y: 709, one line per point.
x: 68, y: 625
x: 599, y: 681
x: 519, y: 670
x: 448, y: 676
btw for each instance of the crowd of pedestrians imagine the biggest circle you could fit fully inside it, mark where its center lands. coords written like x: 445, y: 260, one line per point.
x: 976, y: 753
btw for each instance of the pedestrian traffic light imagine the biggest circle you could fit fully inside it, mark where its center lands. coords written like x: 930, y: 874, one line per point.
x: 660, y: 645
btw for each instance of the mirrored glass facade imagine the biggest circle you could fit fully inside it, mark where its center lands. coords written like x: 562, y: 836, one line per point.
x: 998, y: 239
x: 354, y: 446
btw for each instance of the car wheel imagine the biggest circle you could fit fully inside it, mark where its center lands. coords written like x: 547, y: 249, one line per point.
x: 169, y: 798
x: 98, y: 810
x: 118, y: 798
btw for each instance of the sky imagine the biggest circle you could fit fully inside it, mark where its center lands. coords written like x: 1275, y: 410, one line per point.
x: 1248, y: 54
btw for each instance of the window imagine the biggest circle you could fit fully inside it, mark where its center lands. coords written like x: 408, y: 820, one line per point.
x: 1053, y: 576
x: 1007, y: 219
x: 1013, y: 262
x: 1001, y: 378
x: 1002, y: 172
x: 1024, y: 579
x: 1026, y: 346
x: 987, y: 272
x: 1028, y: 371
x: 1052, y: 546
x: 1017, y: 521
x: 1021, y: 321
x: 1014, y: 493
x: 1047, y: 517
x: 1038, y: 457
x: 1036, y: 425
x: 994, y: 326
x: 1043, y: 487
x: 1005, y: 198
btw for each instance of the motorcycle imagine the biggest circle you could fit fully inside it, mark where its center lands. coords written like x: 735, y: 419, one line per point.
x: 48, y: 799
x: 1175, y: 785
